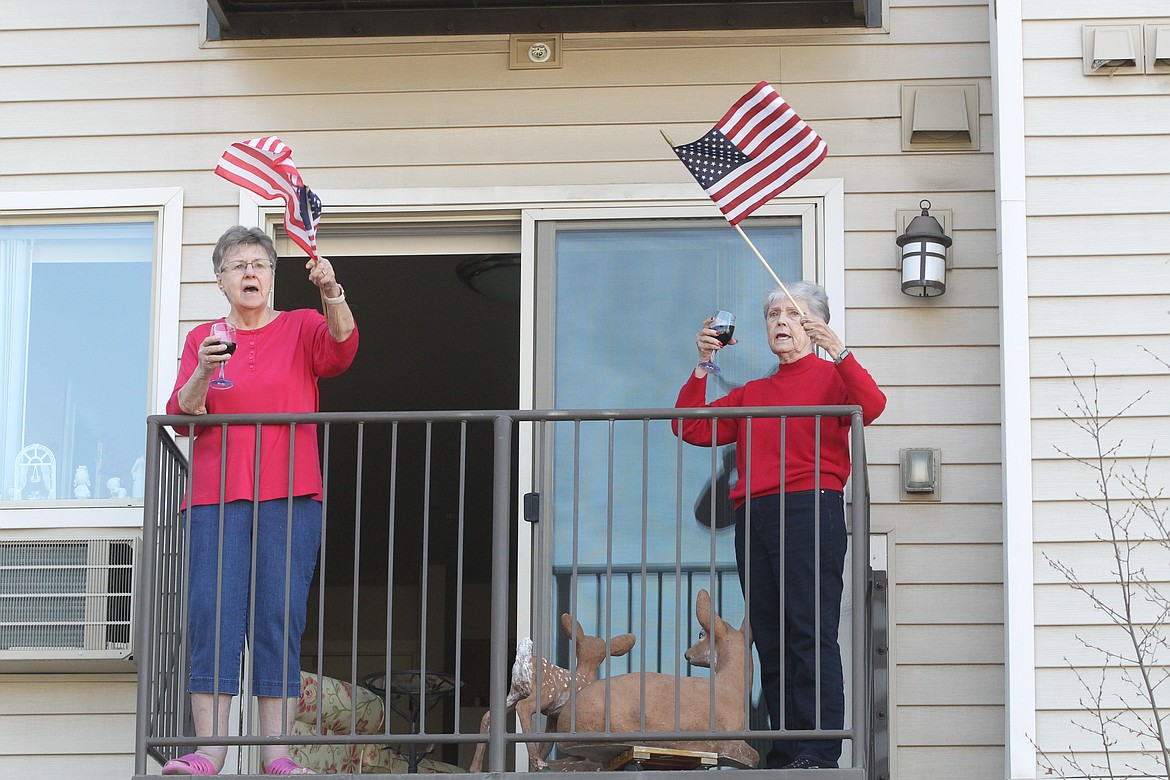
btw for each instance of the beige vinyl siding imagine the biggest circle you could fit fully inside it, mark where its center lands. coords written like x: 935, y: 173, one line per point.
x: 1098, y: 160
x: 123, y: 95
x: 52, y: 722
x: 1051, y: 155
x: 969, y: 763
x: 927, y: 400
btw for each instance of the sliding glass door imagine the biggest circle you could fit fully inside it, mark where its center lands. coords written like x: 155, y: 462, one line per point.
x: 622, y: 302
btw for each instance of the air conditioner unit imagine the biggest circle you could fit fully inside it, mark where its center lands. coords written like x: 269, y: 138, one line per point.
x: 67, y: 605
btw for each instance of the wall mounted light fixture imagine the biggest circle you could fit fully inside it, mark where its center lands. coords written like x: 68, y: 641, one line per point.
x: 924, y: 255
x: 920, y: 473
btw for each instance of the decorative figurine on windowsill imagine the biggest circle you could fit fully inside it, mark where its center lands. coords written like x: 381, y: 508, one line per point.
x: 81, y: 482
x: 114, y: 488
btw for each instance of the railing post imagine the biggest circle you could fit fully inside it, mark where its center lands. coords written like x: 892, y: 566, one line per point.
x: 501, y: 552
x: 144, y: 600
x: 859, y: 514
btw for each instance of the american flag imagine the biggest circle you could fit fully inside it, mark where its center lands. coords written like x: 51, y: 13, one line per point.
x: 264, y: 166
x: 757, y: 150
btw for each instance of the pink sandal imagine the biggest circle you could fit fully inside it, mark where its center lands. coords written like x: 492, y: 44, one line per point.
x: 190, y: 764
x: 286, y: 766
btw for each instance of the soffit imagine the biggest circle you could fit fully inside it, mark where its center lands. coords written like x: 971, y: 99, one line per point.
x: 281, y: 19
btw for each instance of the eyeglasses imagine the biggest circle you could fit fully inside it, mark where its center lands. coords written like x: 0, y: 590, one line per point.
x: 238, y: 266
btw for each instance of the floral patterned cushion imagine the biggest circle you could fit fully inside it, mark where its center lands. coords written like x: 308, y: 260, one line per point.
x: 335, y: 700
x: 394, y: 762
x: 327, y: 759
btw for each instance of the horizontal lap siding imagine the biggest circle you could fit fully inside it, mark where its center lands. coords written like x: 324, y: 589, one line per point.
x: 960, y: 524
x: 1060, y: 438
x: 969, y: 763
x: 130, y: 85
x: 53, y: 721
x: 1106, y: 274
x: 1106, y: 355
x: 1098, y: 162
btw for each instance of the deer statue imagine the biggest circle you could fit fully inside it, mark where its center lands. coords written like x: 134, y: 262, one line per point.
x: 722, y: 648
x: 555, y: 688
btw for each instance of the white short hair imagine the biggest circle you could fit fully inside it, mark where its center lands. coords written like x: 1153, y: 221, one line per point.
x: 811, y: 293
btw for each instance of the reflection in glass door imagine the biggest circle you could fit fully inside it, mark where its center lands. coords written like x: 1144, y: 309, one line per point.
x: 628, y: 300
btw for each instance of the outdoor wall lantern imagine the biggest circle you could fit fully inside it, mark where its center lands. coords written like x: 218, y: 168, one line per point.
x: 924, y: 255
x: 920, y: 473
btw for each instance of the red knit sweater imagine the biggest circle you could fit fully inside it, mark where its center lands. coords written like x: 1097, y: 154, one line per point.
x: 275, y: 369
x: 810, y: 381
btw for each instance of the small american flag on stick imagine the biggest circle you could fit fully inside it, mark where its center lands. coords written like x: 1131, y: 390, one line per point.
x: 757, y: 150
x: 264, y: 166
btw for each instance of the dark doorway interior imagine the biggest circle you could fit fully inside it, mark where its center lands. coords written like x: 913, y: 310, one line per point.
x: 428, y: 342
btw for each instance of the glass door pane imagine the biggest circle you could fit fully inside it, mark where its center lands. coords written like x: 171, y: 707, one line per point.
x: 629, y: 299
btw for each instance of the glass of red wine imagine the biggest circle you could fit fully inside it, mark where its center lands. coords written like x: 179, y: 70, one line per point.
x: 723, y: 323
x: 226, y: 333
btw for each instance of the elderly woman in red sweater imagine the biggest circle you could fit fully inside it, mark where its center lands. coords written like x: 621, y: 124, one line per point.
x: 781, y: 542
x: 277, y: 360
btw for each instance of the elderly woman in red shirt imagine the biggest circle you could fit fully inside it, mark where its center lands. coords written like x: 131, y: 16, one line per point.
x: 780, y: 544
x: 277, y: 360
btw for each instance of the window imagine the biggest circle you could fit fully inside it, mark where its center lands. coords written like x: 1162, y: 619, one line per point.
x: 77, y: 299
x: 85, y: 327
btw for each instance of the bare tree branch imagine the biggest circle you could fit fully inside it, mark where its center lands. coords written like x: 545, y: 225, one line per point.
x: 1124, y: 495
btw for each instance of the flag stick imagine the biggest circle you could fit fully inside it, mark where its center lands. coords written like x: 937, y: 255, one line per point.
x: 753, y: 246
x: 774, y: 276
x: 307, y: 220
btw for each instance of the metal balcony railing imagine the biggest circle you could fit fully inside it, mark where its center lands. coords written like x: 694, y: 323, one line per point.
x: 417, y: 572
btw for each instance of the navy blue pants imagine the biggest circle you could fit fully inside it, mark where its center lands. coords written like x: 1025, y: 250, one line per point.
x: 778, y: 569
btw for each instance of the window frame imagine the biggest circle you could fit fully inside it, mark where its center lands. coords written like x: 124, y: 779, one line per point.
x: 163, y: 206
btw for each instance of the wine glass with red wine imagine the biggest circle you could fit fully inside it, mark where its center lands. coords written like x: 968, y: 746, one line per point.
x: 226, y: 333
x: 723, y: 323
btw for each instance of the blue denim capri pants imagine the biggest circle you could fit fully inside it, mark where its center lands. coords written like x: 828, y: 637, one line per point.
x: 276, y: 645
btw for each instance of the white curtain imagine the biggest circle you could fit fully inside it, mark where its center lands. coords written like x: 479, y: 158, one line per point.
x: 15, y: 267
